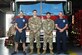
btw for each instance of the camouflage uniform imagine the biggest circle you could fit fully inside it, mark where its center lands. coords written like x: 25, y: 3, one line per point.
x: 48, y: 27
x: 11, y: 31
x: 34, y: 25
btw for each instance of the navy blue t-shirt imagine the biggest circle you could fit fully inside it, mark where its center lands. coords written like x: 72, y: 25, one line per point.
x: 20, y: 22
x: 61, y: 22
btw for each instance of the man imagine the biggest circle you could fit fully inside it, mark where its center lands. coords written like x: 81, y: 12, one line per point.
x: 61, y: 26
x: 48, y: 27
x: 34, y: 26
x: 11, y: 34
x: 20, y: 25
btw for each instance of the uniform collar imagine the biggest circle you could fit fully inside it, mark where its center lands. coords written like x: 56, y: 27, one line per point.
x: 48, y: 19
x: 34, y: 16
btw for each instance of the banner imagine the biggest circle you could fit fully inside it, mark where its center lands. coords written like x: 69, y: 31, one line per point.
x: 52, y: 8
x: 36, y: 0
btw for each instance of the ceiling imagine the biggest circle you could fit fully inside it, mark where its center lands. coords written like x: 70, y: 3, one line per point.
x: 5, y: 5
x: 76, y: 5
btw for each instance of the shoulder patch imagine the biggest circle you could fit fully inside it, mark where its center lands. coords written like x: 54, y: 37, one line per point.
x: 23, y: 20
x: 63, y: 21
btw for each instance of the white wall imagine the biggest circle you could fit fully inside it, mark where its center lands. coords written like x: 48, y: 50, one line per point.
x: 8, y: 20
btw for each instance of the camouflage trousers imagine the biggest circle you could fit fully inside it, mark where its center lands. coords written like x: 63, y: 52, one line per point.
x: 49, y: 39
x: 34, y: 37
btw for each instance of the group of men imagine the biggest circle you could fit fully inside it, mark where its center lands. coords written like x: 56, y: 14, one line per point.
x: 35, y: 24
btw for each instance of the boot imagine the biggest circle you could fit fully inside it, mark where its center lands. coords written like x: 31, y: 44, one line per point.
x: 51, y: 52
x: 44, y: 52
x: 38, y: 51
x: 31, y: 51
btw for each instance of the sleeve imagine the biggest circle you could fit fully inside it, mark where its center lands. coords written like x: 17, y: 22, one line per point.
x: 52, y: 27
x: 39, y: 24
x: 66, y: 21
x: 26, y: 20
x: 56, y: 21
x: 30, y: 24
x: 44, y: 26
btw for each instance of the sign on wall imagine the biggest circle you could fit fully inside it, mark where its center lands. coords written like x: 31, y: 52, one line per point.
x: 52, y: 8
x: 38, y: 0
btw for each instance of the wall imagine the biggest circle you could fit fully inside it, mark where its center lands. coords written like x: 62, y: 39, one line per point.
x: 2, y: 24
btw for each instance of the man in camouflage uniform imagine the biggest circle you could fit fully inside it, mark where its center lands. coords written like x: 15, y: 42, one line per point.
x: 48, y: 27
x: 34, y: 26
x: 11, y: 33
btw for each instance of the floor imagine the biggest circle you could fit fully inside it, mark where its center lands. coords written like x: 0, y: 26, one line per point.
x: 8, y: 50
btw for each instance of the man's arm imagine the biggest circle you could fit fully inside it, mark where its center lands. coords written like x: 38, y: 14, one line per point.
x: 30, y: 24
x: 38, y: 25
x: 57, y: 27
x: 51, y: 28
x: 61, y: 30
x: 44, y: 26
x: 25, y: 26
x: 66, y: 26
x: 20, y: 30
x: 16, y: 26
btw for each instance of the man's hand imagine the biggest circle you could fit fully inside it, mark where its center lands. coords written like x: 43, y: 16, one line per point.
x: 48, y: 32
x: 61, y: 30
x: 20, y: 30
x: 34, y: 31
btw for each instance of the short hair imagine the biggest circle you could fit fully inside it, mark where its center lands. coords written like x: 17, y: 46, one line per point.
x: 34, y: 10
x: 48, y: 13
x: 21, y: 11
x: 61, y: 12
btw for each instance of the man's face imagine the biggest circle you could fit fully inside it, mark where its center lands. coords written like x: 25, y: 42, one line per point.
x: 60, y: 14
x: 34, y: 13
x: 48, y: 15
x: 21, y: 14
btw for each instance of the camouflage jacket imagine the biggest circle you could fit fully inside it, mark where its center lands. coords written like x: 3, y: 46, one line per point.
x: 11, y: 31
x: 48, y: 26
x: 34, y: 23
